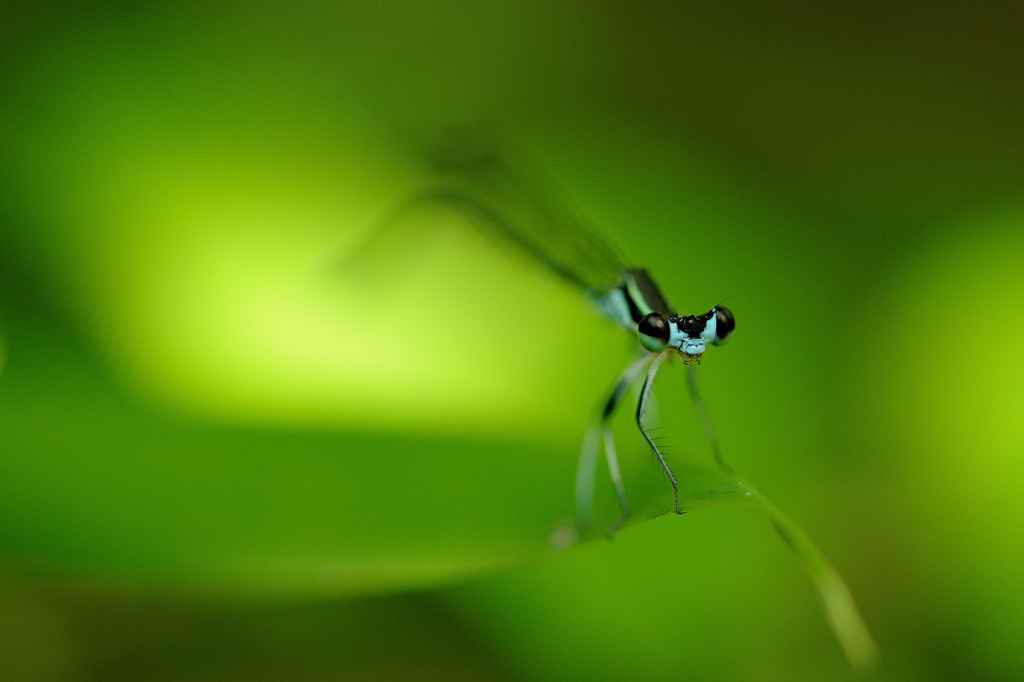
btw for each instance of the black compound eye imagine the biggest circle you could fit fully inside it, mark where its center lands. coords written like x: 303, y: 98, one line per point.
x: 653, y: 332
x: 725, y: 323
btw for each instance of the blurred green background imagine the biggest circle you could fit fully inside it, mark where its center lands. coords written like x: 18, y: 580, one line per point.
x: 221, y: 457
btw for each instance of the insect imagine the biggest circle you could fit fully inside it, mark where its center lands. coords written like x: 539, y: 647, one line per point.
x: 492, y: 196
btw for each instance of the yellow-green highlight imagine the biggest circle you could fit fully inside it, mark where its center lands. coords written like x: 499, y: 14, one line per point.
x: 209, y: 435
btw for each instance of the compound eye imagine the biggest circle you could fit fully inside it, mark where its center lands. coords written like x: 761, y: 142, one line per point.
x: 653, y: 332
x: 725, y: 323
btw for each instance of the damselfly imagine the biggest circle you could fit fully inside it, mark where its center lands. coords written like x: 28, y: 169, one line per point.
x: 527, y: 215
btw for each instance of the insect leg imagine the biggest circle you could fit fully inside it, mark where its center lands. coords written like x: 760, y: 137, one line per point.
x: 588, y: 457
x: 698, y: 403
x: 640, y: 422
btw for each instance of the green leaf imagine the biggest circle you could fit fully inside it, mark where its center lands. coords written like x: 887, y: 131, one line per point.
x: 719, y: 484
x: 840, y: 609
x: 94, y: 484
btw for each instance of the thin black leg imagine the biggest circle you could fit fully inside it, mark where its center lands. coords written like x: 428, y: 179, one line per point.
x: 640, y: 422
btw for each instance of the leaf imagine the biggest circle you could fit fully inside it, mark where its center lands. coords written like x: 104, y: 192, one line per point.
x: 840, y: 609
x: 705, y: 486
x: 96, y: 485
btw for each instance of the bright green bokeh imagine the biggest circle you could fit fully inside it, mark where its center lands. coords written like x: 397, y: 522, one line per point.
x: 951, y: 396
x: 211, y: 432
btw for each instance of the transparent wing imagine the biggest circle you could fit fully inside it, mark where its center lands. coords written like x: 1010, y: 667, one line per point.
x: 528, y: 215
